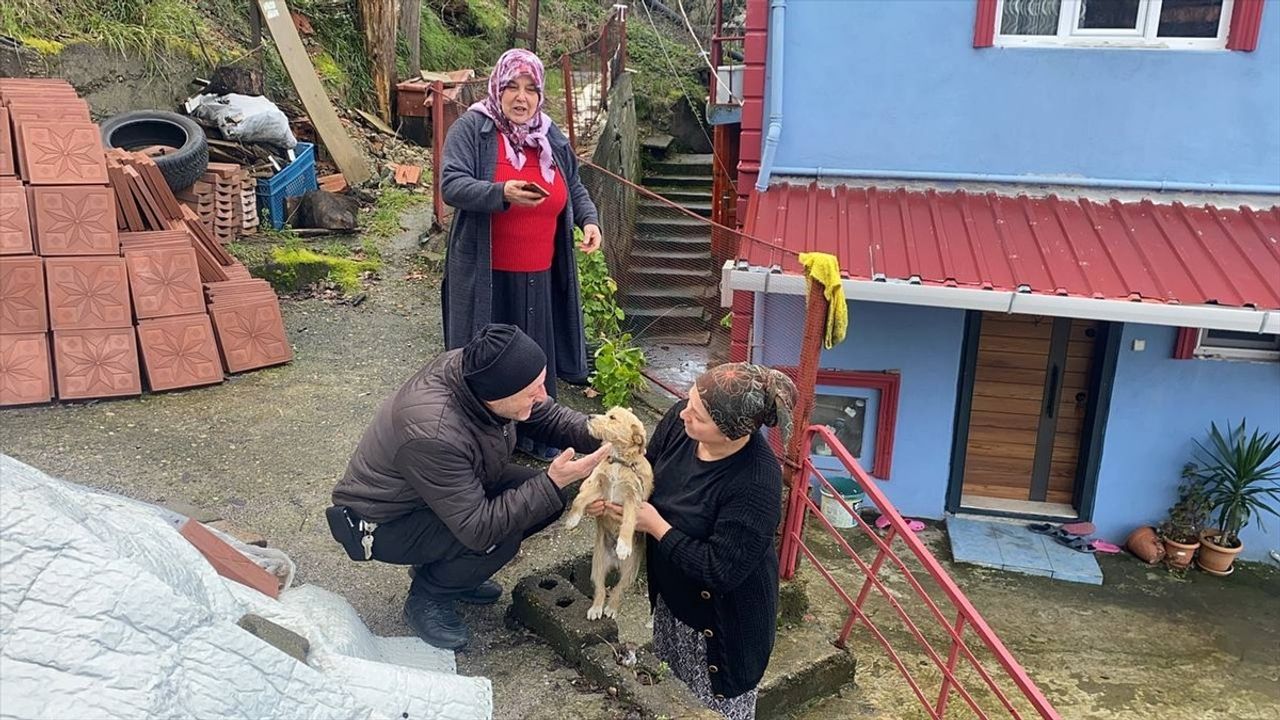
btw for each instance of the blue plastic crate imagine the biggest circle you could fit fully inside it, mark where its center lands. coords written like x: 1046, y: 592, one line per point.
x: 297, y: 178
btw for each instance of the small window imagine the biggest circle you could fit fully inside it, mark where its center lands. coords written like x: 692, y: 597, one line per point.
x: 1235, y: 345
x: 1186, y: 24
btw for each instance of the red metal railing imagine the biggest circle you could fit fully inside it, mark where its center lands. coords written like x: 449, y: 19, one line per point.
x: 962, y: 618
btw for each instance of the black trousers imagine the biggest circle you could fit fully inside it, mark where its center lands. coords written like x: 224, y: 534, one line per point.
x: 443, y: 566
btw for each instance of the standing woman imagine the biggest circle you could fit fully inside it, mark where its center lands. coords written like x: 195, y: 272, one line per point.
x: 513, y: 182
x: 712, y: 566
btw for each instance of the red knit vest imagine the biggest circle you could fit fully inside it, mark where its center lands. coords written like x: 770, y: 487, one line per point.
x: 524, y: 238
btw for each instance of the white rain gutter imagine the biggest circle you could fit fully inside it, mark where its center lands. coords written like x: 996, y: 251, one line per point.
x: 1212, y: 317
x: 773, y: 133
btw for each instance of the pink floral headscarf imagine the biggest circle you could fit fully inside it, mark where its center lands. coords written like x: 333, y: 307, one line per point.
x: 511, y: 65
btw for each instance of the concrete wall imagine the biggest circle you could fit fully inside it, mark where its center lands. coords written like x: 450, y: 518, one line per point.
x: 923, y: 345
x: 618, y: 151
x: 898, y: 86
x: 1159, y: 407
x: 110, y: 82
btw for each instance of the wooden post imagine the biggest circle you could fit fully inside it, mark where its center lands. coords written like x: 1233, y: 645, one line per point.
x: 438, y: 131
x: 815, y: 325
x: 378, y: 22
x: 566, y: 67
x: 411, y: 31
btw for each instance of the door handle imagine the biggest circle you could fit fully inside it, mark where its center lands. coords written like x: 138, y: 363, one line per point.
x: 1051, y: 398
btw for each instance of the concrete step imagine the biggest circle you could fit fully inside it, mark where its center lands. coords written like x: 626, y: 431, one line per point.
x: 657, y: 145
x: 681, y: 181
x: 804, y: 667
x: 663, y: 241
x: 690, y: 292
x: 700, y: 165
x: 701, y: 207
x: 681, y: 195
x: 644, y: 315
x: 657, y: 257
x: 675, y: 337
x: 649, y: 271
x: 671, y: 220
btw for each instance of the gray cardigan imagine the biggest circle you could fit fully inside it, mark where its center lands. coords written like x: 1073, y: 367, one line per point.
x: 466, y: 184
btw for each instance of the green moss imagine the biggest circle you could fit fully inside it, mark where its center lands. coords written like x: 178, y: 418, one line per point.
x: 329, y: 72
x: 292, y: 268
x: 384, y: 221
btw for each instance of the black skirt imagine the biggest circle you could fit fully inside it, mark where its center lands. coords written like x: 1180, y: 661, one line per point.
x: 524, y: 300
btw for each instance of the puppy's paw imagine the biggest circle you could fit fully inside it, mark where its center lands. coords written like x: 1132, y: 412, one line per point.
x: 572, y: 521
x: 594, y: 612
x: 622, y: 550
x: 611, y: 612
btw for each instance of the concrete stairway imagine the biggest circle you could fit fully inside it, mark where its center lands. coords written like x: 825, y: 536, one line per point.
x: 672, y: 284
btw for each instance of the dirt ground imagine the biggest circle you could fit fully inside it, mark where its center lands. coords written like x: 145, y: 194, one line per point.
x: 264, y: 449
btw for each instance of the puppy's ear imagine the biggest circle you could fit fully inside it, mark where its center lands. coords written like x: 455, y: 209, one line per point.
x: 638, y: 436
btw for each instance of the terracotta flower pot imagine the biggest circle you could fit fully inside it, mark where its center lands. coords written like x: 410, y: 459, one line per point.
x: 1179, y: 555
x: 1145, y: 545
x: 1214, y: 558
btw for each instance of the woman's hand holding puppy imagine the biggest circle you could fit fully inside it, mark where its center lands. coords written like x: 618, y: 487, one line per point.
x: 648, y: 519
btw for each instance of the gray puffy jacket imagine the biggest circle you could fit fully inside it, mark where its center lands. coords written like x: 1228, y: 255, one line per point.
x: 434, y: 444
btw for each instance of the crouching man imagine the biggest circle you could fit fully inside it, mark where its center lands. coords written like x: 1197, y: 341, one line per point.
x: 431, y: 484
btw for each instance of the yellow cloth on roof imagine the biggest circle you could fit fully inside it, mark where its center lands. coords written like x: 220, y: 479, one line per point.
x: 825, y: 269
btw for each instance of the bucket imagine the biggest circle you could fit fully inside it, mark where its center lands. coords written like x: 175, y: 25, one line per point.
x: 831, y: 509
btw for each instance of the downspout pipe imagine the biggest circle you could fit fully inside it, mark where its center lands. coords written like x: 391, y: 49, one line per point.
x: 777, y: 31
x: 1160, y: 185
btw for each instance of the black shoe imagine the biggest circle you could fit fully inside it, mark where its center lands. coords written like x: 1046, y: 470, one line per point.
x: 436, y: 621
x: 486, y: 594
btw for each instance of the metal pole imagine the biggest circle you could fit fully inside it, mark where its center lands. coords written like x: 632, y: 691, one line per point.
x: 793, y: 478
x: 566, y: 67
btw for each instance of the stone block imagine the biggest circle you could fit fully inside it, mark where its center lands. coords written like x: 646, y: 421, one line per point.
x: 552, y: 607
x: 282, y: 638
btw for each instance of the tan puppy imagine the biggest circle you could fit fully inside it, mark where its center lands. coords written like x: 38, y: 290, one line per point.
x: 626, y: 479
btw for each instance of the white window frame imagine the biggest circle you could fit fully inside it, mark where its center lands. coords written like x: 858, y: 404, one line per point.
x: 1141, y: 37
x: 1216, y: 352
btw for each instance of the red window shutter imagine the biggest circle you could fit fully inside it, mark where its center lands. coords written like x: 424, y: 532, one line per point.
x: 984, y: 27
x: 1184, y: 348
x: 1246, y: 23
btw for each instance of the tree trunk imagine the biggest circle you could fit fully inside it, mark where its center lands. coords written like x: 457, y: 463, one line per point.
x: 411, y: 31
x: 378, y: 21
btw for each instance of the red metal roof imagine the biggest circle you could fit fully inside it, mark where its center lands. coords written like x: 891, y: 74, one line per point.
x: 1165, y: 252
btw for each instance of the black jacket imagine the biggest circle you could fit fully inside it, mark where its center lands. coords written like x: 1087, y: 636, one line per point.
x: 434, y: 444
x: 716, y: 568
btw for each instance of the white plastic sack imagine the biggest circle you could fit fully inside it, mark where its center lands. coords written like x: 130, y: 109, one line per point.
x: 106, y: 611
x: 247, y: 118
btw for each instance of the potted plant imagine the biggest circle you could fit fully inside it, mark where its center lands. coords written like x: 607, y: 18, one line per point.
x: 1241, y: 474
x: 1181, y: 532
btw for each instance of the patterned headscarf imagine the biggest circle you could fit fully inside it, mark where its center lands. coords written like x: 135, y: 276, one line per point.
x: 741, y: 397
x: 516, y: 138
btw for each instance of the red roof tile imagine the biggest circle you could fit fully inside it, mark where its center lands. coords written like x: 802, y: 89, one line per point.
x: 1165, y: 252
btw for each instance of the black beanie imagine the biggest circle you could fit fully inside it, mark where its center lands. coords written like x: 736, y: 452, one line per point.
x: 501, y: 361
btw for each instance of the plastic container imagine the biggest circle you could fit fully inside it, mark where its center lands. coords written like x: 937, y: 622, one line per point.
x: 297, y: 178
x: 831, y: 508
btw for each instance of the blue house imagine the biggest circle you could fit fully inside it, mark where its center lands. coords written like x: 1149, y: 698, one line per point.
x: 1059, y: 231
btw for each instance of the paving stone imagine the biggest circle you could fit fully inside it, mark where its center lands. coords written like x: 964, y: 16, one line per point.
x: 96, y: 363
x: 164, y: 281
x: 26, y: 376
x: 15, y: 221
x: 75, y: 220
x: 88, y: 292
x: 179, y: 352
x: 251, y: 335
x: 61, y: 153
x: 22, y: 295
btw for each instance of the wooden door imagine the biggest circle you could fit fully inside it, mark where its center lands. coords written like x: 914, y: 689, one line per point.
x: 1030, y: 398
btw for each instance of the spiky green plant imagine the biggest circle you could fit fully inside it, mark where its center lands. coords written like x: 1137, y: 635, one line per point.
x: 1241, y: 476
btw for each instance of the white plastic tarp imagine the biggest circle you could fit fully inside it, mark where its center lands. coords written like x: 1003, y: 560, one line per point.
x: 106, y: 611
